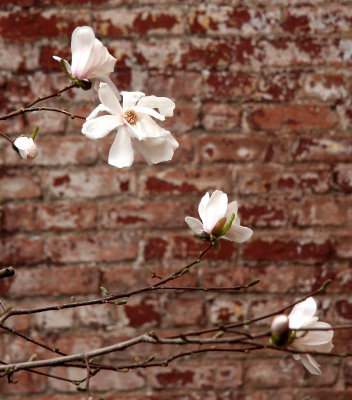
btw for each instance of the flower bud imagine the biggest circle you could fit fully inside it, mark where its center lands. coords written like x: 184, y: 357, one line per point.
x: 26, y: 147
x: 280, y: 331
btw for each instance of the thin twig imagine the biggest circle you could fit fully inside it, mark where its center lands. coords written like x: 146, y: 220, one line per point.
x: 6, y: 272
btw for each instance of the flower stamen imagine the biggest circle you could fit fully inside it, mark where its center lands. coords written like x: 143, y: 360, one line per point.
x: 130, y: 117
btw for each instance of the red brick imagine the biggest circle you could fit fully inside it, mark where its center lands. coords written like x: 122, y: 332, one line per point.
x: 184, y: 118
x: 45, y: 282
x: 268, y: 373
x: 21, y: 250
x: 97, y: 315
x: 227, y: 310
x: 184, y: 311
x: 233, y: 20
x: 229, y: 85
x: 19, y: 57
x: 142, y: 312
x: 277, y: 86
x: 321, y: 211
x: 263, y: 214
x: 221, y: 117
x: 139, y: 22
x: 325, y: 87
x: 343, y: 177
x: 343, y: 246
x: 344, y: 309
x: 40, y: 24
x: 90, y: 248
x: 88, y: 183
x: 144, y: 214
x: 19, y: 186
x: 202, y: 376
x: 233, y: 148
x: 270, y: 248
x: 323, y: 149
x: 39, y: 217
x: 184, y: 181
x: 291, y: 118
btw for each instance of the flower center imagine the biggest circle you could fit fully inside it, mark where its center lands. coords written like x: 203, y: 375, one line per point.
x: 130, y: 116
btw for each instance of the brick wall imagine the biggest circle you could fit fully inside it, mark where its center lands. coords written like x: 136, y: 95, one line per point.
x: 263, y: 96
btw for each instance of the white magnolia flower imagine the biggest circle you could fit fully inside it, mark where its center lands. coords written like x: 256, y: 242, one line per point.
x: 26, y: 147
x: 302, y: 316
x: 211, y: 211
x: 90, y: 59
x: 134, y: 125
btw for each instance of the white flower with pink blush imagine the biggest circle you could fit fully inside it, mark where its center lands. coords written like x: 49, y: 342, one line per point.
x: 216, y: 213
x: 90, y: 59
x: 26, y: 147
x: 303, y: 316
x: 135, y: 126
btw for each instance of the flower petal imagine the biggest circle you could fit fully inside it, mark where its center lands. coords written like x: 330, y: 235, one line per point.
x: 202, y: 206
x: 146, y: 127
x: 163, y: 104
x: 121, y: 152
x: 215, y: 210
x: 130, y: 99
x: 238, y: 233
x: 317, y: 337
x: 309, y: 362
x: 82, y: 40
x: 232, y: 208
x: 99, y: 127
x: 302, y: 313
x: 194, y: 224
x: 68, y: 66
x: 109, y: 100
x: 148, y: 111
x: 156, y: 150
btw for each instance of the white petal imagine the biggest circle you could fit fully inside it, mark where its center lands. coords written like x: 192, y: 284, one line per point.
x: 194, y: 224
x: 130, y: 99
x: 109, y: 100
x: 309, y: 362
x: 148, y: 111
x: 302, y: 313
x: 100, y: 62
x: 163, y: 104
x: 156, y: 150
x: 121, y: 152
x: 317, y: 337
x: 215, y: 210
x: 238, y: 233
x: 23, y: 143
x: 99, y: 127
x: 96, y: 111
x: 232, y: 208
x: 81, y: 44
x: 146, y: 127
x: 96, y: 79
x: 202, y: 206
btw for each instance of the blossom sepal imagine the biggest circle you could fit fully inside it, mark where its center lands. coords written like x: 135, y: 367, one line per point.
x: 283, y: 340
x: 227, y: 227
x: 83, y: 84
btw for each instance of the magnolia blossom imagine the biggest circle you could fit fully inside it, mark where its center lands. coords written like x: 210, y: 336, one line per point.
x: 26, y: 147
x: 134, y: 125
x: 302, y: 316
x: 90, y: 59
x: 215, y: 213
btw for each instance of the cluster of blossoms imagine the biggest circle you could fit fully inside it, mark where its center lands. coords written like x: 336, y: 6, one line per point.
x: 136, y: 129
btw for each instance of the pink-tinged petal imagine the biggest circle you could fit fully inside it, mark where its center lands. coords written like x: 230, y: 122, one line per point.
x: 100, y: 61
x: 215, y: 210
x: 99, y: 127
x: 148, y: 111
x: 163, y: 104
x: 67, y: 65
x: 238, y: 233
x: 194, y: 224
x: 317, y: 337
x: 202, y: 206
x: 108, y: 98
x: 302, y: 313
x: 130, y: 99
x: 156, y: 150
x: 232, y: 208
x: 309, y: 362
x: 121, y: 152
x: 82, y: 41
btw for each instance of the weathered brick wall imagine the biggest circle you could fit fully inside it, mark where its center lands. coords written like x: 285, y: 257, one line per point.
x: 263, y: 95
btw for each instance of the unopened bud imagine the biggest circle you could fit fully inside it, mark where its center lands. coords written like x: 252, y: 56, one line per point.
x: 26, y: 147
x: 279, y: 324
x: 280, y: 331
